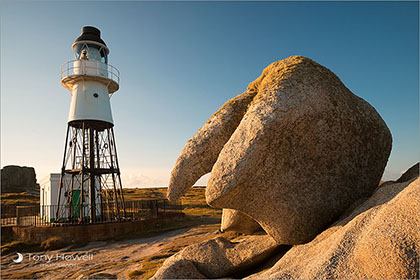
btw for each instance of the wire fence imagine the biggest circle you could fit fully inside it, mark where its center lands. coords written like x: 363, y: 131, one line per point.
x: 45, y: 215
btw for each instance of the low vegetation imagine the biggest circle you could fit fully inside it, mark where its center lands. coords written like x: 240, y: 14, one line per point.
x: 193, y: 202
x: 150, y: 264
x: 20, y: 246
x: 202, y: 219
x: 21, y: 199
x: 54, y: 243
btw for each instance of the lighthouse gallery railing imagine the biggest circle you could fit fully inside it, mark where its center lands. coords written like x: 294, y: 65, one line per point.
x: 91, y: 68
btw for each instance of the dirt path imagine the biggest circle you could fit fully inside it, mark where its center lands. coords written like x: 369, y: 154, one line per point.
x: 118, y: 258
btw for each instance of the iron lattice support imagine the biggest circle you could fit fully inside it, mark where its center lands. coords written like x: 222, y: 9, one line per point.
x: 90, y: 183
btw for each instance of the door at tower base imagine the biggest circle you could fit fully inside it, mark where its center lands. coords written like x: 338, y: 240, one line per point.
x: 49, y: 188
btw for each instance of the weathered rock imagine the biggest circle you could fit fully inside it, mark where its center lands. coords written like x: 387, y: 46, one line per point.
x: 379, y: 240
x: 101, y: 275
x: 218, y: 257
x: 201, y: 152
x: 18, y: 179
x: 234, y: 220
x: 304, y: 151
x: 178, y: 268
x: 410, y: 174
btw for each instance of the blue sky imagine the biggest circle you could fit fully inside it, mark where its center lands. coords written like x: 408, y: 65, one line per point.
x: 180, y: 61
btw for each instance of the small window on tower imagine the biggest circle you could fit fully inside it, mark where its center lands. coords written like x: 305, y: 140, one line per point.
x: 95, y: 95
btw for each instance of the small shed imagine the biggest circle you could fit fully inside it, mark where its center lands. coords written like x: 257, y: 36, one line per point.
x: 49, y: 188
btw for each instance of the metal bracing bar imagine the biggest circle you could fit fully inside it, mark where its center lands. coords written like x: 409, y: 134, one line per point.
x: 118, y: 168
x: 62, y: 173
x: 113, y: 177
x: 92, y: 176
x: 82, y: 173
x: 93, y: 159
x: 98, y: 165
x: 73, y: 164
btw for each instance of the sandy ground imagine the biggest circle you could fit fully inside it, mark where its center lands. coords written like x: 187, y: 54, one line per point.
x: 115, y: 257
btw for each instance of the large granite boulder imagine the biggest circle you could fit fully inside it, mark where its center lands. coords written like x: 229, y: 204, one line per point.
x: 217, y: 258
x: 410, y: 174
x: 178, y: 268
x: 234, y: 220
x: 304, y: 151
x: 378, y: 240
x: 18, y: 179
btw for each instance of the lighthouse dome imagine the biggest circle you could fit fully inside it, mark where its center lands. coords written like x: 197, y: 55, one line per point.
x: 90, y: 33
x: 90, y: 45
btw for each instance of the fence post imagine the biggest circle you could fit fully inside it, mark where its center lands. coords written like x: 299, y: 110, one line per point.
x: 18, y: 214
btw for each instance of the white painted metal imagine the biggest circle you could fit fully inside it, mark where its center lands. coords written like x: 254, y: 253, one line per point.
x: 48, y: 197
x: 48, y: 193
x: 90, y: 101
x: 90, y: 67
x: 72, y: 72
x: 91, y: 82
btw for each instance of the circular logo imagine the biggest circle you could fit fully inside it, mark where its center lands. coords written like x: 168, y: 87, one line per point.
x: 19, y: 259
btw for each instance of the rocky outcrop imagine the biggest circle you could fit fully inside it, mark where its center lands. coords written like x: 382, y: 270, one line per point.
x: 18, y: 179
x: 178, y: 268
x: 101, y: 275
x: 305, y: 150
x: 234, y: 220
x: 201, y: 152
x: 410, y: 174
x: 217, y: 258
x: 378, y: 240
x: 303, y: 160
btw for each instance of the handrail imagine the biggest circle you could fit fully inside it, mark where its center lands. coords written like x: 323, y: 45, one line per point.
x: 68, y: 69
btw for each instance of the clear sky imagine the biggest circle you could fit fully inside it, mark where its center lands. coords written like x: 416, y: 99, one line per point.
x: 181, y: 61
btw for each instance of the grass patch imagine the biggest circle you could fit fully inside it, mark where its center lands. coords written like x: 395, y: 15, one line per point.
x: 193, y: 202
x: 159, y: 257
x: 195, y: 208
x: 21, y: 199
x: 144, y: 194
x: 156, y: 227
x: 151, y: 264
x: 204, y: 219
x: 54, y: 243
x: 147, y: 270
x: 20, y: 246
x: 135, y: 274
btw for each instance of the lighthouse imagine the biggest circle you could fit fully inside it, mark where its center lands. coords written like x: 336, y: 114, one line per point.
x: 90, y: 187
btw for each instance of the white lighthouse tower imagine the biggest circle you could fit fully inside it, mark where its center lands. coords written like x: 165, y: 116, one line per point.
x: 90, y: 184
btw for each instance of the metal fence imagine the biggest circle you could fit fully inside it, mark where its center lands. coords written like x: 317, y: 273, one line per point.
x: 91, y: 67
x: 44, y: 215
